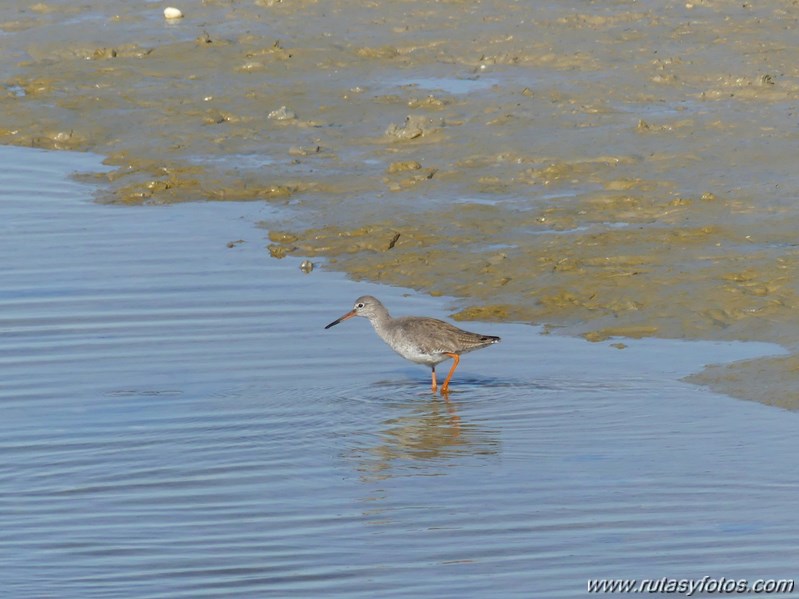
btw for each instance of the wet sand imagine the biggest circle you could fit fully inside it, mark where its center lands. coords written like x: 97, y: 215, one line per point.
x: 612, y: 169
x: 177, y: 423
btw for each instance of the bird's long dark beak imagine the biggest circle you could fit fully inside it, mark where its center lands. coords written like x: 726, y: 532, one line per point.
x: 349, y: 314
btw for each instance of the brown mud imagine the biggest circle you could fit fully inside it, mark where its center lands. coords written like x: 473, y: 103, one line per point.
x: 604, y: 168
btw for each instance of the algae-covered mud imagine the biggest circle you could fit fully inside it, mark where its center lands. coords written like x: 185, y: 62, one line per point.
x: 606, y: 168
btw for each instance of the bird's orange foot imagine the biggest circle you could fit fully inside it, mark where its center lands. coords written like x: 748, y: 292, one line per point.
x: 445, y: 386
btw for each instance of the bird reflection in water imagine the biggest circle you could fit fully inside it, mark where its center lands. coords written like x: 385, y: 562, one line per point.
x: 421, y: 439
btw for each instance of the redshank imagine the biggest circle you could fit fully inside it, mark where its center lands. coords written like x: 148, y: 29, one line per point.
x: 417, y: 338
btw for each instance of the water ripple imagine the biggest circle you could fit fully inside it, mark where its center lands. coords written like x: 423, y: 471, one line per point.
x: 177, y: 423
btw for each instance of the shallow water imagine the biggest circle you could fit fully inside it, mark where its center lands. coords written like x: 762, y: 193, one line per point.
x: 177, y: 423
x: 630, y: 165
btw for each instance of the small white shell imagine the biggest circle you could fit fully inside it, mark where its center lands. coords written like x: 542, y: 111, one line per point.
x: 170, y: 12
x: 282, y: 114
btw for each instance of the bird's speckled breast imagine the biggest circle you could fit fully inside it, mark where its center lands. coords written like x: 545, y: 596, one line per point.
x: 414, y: 354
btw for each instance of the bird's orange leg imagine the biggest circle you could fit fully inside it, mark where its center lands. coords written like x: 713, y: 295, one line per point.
x: 435, y: 385
x: 455, y: 359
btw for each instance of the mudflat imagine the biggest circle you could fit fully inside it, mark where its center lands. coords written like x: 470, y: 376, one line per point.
x: 607, y: 169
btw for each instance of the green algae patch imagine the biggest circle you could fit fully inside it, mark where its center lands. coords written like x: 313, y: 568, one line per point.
x: 542, y: 164
x: 486, y: 313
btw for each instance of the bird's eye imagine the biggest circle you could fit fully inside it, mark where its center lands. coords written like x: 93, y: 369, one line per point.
x: 359, y: 305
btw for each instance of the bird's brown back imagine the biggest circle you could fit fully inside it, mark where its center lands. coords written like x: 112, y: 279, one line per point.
x: 433, y: 336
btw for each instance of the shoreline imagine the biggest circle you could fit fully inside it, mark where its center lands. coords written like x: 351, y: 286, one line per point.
x: 600, y: 171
